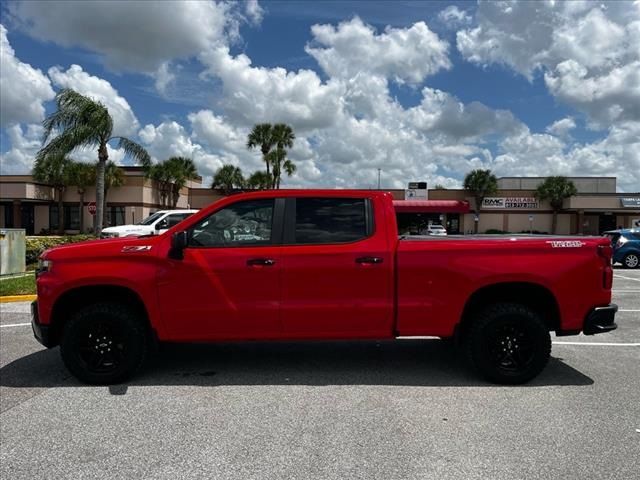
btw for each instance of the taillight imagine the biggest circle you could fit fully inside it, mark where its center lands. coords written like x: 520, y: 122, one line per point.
x: 605, y: 252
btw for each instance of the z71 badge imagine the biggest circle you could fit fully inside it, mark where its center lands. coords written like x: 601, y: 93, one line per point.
x: 566, y: 243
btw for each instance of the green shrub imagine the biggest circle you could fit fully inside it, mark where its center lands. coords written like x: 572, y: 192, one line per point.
x: 494, y: 231
x: 36, y: 245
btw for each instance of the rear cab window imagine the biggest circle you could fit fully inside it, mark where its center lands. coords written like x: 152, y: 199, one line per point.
x: 329, y: 220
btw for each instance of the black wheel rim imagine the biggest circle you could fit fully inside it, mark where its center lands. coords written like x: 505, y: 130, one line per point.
x: 101, y: 348
x: 511, y: 348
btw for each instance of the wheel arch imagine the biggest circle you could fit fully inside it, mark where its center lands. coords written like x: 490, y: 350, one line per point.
x: 79, y: 297
x: 532, y: 295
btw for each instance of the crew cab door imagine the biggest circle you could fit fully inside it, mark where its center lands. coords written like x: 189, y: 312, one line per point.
x: 337, y: 278
x: 228, y: 283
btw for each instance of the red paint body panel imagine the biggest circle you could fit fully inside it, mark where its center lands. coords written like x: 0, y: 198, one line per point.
x: 420, y: 287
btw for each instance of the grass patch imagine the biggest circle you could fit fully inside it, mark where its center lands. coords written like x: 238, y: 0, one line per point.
x: 25, y: 285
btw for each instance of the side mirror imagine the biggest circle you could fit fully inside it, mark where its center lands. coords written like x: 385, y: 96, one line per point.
x: 159, y: 225
x: 179, y: 242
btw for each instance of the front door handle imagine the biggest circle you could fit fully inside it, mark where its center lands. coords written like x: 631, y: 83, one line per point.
x: 374, y: 260
x: 266, y: 262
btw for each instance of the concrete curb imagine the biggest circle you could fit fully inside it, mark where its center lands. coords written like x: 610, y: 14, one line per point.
x: 18, y: 298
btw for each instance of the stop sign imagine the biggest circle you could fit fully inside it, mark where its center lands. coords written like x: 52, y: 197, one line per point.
x: 92, y: 208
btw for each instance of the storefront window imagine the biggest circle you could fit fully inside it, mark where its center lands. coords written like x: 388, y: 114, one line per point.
x: 114, y: 216
x: 71, y: 217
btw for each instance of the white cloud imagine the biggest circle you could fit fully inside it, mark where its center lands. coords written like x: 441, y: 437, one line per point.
x: 163, y: 78
x: 561, y: 128
x: 589, y: 52
x: 25, y: 143
x: 170, y: 139
x: 23, y: 89
x: 452, y: 17
x: 607, y: 98
x: 137, y: 36
x: 440, y: 112
x: 403, y: 54
x: 258, y: 94
x: 618, y: 154
x: 125, y: 122
x: 254, y: 11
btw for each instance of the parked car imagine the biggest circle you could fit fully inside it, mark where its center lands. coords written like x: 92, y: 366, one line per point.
x: 626, y: 246
x: 436, y: 230
x: 318, y: 264
x: 155, y: 224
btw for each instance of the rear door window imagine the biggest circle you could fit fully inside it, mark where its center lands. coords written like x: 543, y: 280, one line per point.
x: 330, y: 220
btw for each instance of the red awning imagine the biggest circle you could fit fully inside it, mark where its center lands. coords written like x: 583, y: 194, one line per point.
x: 431, y: 206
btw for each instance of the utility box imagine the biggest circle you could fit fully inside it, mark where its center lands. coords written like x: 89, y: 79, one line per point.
x: 12, y: 251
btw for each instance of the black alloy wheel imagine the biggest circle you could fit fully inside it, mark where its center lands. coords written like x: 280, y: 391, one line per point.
x: 508, y: 343
x: 104, y: 343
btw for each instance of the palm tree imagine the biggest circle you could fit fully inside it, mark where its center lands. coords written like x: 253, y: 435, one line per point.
x: 85, y: 123
x: 227, y: 178
x: 260, y: 180
x: 181, y: 170
x: 161, y: 175
x: 53, y: 169
x: 82, y: 175
x: 172, y: 175
x: 556, y: 190
x: 113, y: 177
x: 480, y: 183
x: 262, y: 136
x: 283, y: 137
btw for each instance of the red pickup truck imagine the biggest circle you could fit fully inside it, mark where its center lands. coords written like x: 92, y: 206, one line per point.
x: 318, y: 264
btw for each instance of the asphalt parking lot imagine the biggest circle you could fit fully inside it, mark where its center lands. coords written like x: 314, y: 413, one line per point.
x: 358, y: 410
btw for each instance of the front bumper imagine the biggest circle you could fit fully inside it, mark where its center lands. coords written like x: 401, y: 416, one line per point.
x: 600, y: 320
x: 41, y: 332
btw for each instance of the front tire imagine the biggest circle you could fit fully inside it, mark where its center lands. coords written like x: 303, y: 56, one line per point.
x: 104, y: 343
x: 508, y: 344
x: 631, y: 260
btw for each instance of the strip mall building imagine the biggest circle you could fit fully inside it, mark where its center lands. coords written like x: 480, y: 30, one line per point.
x: 25, y: 203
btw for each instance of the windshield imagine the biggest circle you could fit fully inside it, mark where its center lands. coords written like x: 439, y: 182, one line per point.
x: 151, y: 218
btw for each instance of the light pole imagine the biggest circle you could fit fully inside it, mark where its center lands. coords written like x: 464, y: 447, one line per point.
x: 379, y: 169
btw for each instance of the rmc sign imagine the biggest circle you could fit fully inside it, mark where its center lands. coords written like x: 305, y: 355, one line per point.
x: 510, y: 203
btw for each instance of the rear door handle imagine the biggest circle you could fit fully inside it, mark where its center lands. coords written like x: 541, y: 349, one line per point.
x: 267, y: 262
x: 374, y: 260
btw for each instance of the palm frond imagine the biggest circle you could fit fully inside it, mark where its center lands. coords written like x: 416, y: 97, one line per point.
x: 135, y: 151
x: 69, y: 140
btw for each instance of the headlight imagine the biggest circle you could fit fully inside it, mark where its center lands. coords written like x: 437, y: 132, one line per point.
x: 43, y: 266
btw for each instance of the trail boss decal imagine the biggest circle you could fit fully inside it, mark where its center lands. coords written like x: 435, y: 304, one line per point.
x: 566, y: 243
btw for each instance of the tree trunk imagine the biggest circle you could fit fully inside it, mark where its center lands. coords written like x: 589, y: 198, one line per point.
x: 103, y: 156
x: 264, y: 157
x: 554, y: 222
x: 81, y: 193
x: 106, y: 191
x: 60, y: 213
x: 477, y: 214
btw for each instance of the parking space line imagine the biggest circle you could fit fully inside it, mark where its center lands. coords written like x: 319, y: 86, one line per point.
x: 14, y: 325
x: 626, y: 278
x: 623, y: 310
x: 599, y: 344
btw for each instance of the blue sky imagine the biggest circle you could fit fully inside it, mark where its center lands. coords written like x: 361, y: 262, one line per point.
x: 423, y: 90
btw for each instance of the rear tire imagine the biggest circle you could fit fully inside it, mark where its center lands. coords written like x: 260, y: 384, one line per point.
x: 508, y: 343
x: 631, y: 260
x: 104, y: 343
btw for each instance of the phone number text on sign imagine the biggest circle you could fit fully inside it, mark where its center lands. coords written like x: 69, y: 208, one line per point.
x: 510, y: 202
